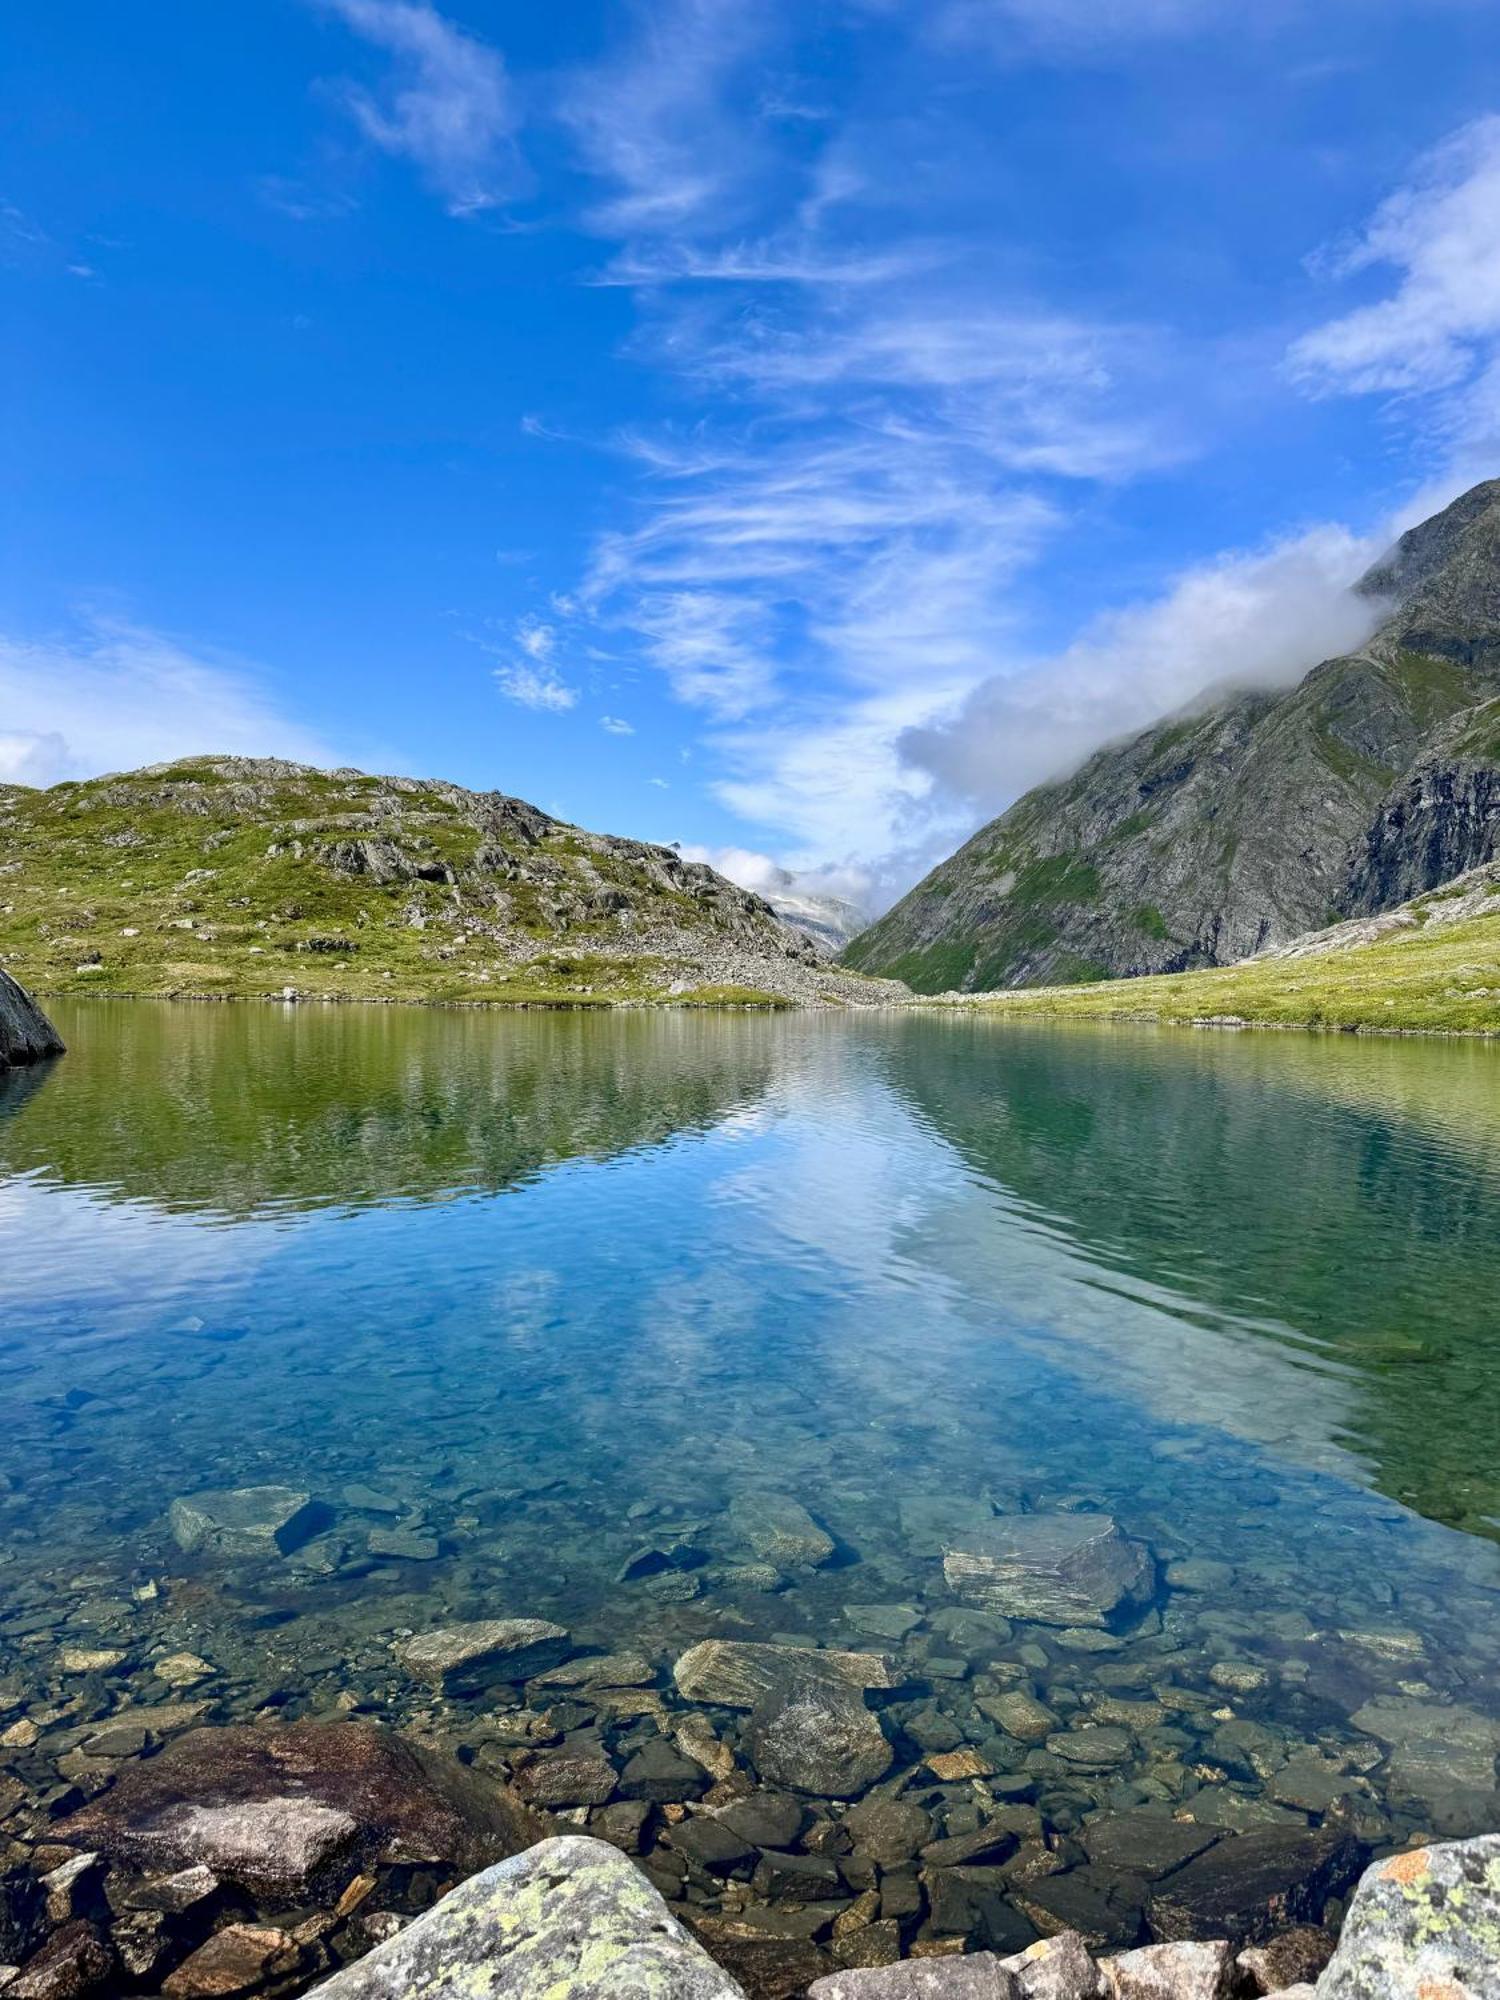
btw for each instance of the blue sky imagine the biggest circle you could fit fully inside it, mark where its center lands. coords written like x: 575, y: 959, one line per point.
x: 790, y: 430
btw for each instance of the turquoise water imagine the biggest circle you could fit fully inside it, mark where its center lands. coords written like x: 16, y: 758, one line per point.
x: 563, y: 1288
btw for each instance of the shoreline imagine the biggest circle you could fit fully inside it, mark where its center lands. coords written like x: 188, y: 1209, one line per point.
x: 993, y: 1005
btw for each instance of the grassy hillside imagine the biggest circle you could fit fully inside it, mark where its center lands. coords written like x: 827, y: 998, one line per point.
x: 232, y: 877
x: 1432, y: 965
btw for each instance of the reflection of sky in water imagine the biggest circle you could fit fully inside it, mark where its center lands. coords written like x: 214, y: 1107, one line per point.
x: 858, y: 1261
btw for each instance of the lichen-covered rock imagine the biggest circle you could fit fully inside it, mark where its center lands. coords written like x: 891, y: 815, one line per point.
x: 1050, y: 1569
x: 572, y: 1919
x: 1424, y: 1925
x: 280, y: 1810
x: 26, y: 1035
x: 1056, y: 1968
x: 475, y: 1655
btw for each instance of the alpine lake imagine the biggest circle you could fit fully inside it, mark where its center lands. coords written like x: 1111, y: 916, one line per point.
x: 679, y: 1327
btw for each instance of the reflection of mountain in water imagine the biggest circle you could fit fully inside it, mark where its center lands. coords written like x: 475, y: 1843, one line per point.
x: 228, y: 1110
x: 1345, y: 1192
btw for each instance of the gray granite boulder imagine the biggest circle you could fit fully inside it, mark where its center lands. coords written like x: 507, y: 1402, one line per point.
x: 570, y: 1917
x: 1424, y: 1925
x: 1183, y: 1971
x: 1050, y: 1569
x: 976, y: 1976
x: 26, y: 1035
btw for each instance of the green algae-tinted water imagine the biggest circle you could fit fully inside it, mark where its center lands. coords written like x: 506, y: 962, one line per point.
x: 562, y: 1288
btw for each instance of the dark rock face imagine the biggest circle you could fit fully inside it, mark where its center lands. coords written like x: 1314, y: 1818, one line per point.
x: 278, y: 1811
x: 26, y: 1035
x: 1249, y: 1888
x: 1424, y: 1925
x: 1441, y: 821
x: 1250, y: 818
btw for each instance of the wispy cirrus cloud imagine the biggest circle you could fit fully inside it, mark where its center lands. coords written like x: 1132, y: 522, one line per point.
x: 448, y: 105
x: 533, y: 679
x: 1438, y: 327
x: 112, y: 695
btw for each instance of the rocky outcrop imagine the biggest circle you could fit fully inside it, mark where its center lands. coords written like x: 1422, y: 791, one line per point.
x: 1442, y: 820
x: 421, y: 889
x: 572, y: 1917
x: 1251, y: 817
x: 26, y: 1035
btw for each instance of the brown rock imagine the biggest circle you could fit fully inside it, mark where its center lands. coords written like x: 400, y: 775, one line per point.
x: 278, y: 1809
x: 75, y: 1962
x: 1248, y: 1888
x: 234, y: 1960
x: 1291, y: 1958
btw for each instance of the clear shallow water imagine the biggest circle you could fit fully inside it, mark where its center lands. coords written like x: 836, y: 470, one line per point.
x: 563, y: 1287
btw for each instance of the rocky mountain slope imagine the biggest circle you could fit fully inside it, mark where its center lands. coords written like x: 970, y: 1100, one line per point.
x: 1431, y: 964
x: 230, y: 875
x: 1251, y: 817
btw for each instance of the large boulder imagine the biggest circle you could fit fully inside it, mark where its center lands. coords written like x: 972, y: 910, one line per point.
x: 1424, y: 1925
x: 26, y: 1035
x: 1259, y: 1883
x: 246, y: 1520
x: 779, y: 1530
x: 281, y: 1811
x: 1050, y: 1569
x: 572, y: 1917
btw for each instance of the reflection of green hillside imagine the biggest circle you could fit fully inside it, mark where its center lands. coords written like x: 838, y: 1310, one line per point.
x: 228, y: 1109
x: 1350, y: 1191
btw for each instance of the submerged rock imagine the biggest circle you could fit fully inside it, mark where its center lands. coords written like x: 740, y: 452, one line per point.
x: 780, y: 1530
x: 246, y: 1520
x: 278, y: 1810
x: 1248, y: 1888
x: 815, y: 1735
x: 468, y: 1658
x: 571, y: 1917
x: 738, y: 1673
x: 979, y: 1976
x: 1050, y: 1569
x: 26, y: 1035
x: 1424, y: 1925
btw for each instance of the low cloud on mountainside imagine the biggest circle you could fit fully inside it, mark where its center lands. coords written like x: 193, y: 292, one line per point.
x: 1258, y: 620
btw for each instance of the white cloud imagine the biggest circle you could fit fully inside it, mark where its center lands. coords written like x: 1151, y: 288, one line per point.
x: 449, y: 106
x: 1243, y: 620
x: 616, y: 725
x: 536, y: 640
x: 535, y: 687
x: 115, y: 696
x: 1441, y: 235
x: 649, y: 121
x: 1072, y: 26
x: 764, y: 876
